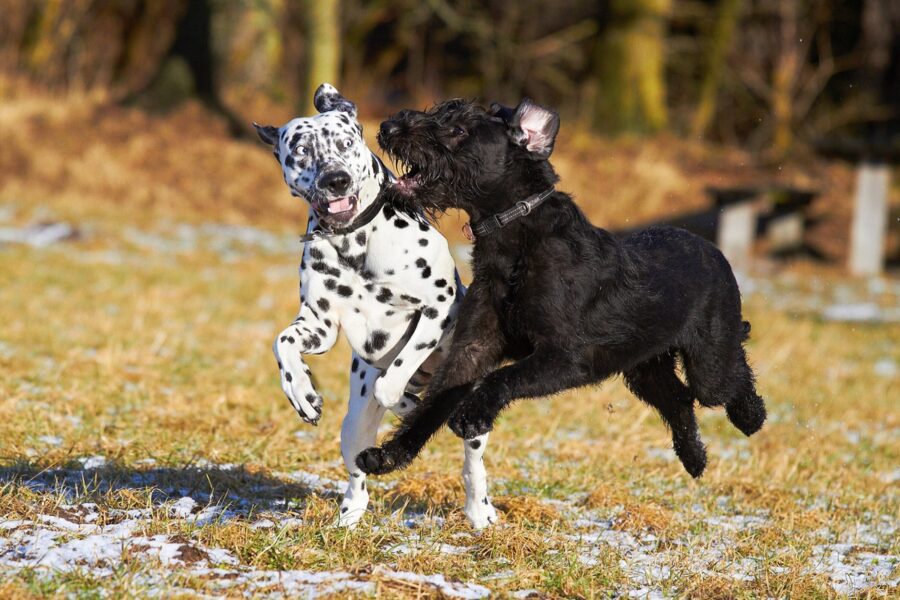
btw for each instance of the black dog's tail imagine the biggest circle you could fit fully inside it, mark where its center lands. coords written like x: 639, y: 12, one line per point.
x: 745, y: 331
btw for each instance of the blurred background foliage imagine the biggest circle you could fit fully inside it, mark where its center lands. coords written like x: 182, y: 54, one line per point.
x: 767, y: 75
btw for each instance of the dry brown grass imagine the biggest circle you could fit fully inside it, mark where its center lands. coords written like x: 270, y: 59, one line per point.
x: 135, y: 353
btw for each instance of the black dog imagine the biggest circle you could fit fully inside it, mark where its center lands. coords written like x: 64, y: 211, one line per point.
x: 567, y: 302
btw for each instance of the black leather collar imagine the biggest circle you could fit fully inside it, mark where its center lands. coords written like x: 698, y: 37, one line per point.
x: 501, y: 220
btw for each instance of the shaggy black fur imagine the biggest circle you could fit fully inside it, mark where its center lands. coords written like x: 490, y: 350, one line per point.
x: 568, y: 303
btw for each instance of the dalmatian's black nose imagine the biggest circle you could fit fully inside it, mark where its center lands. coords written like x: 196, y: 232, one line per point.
x: 336, y: 182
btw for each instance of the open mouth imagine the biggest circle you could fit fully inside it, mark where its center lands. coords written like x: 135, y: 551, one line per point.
x: 339, y: 209
x: 411, y: 180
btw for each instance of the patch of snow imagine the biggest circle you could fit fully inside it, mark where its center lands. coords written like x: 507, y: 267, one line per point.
x: 886, y: 367
x: 851, y: 572
x: 663, y: 454
x: 891, y: 476
x: 263, y: 524
x: 737, y: 522
x: 860, y: 312
x: 183, y: 507
x: 92, y: 462
x: 451, y: 589
x: 39, y: 235
x: 50, y: 440
x: 647, y: 593
x: 61, y: 523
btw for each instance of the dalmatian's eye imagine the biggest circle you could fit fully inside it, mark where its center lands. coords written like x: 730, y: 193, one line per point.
x: 345, y: 145
x: 302, y: 150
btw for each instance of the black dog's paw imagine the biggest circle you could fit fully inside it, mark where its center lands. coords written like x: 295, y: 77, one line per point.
x: 468, y: 424
x: 375, y: 461
x: 386, y: 459
x: 693, y: 458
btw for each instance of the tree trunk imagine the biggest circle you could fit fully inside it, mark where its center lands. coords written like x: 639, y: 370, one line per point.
x: 719, y: 45
x: 787, y: 66
x: 324, y: 35
x: 629, y: 67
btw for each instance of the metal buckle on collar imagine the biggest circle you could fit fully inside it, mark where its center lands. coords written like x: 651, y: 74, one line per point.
x: 526, y: 208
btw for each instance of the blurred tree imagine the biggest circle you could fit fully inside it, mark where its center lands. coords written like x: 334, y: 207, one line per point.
x: 786, y: 58
x: 87, y: 44
x: 628, y: 66
x: 718, y: 46
x: 324, y: 48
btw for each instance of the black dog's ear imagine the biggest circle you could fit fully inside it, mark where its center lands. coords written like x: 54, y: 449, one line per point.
x: 267, y: 133
x: 534, y: 127
x: 327, y: 98
x: 503, y: 112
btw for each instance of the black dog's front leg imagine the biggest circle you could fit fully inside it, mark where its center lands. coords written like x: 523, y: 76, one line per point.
x: 476, y: 349
x: 543, y: 373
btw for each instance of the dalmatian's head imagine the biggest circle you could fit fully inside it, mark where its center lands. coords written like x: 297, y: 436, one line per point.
x: 325, y: 160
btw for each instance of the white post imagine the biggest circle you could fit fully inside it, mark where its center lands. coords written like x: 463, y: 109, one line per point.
x: 736, y: 230
x: 869, y: 219
x: 785, y: 233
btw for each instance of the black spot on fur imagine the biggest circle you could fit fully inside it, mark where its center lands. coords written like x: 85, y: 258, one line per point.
x: 344, y: 290
x: 426, y: 272
x: 320, y: 267
x: 430, y: 312
x: 323, y: 304
x: 354, y: 366
x: 400, y: 223
x: 379, y: 339
x: 288, y: 376
x: 423, y: 242
x: 384, y: 295
x: 475, y: 444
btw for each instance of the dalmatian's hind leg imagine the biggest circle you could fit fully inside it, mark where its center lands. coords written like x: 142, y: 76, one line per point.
x: 358, y: 432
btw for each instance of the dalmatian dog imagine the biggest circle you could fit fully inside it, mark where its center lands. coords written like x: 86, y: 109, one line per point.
x: 380, y: 272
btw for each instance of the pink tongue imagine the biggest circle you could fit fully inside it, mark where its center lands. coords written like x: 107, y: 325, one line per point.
x: 339, y: 205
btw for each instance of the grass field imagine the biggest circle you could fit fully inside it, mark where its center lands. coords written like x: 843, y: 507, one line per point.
x: 147, y: 448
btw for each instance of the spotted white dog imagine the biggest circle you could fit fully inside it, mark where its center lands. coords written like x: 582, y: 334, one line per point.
x: 386, y: 276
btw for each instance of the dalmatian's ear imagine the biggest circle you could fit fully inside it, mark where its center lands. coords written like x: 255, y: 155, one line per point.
x: 534, y: 127
x: 267, y: 133
x: 327, y: 98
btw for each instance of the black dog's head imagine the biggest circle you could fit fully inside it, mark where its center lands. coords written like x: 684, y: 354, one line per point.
x: 461, y: 155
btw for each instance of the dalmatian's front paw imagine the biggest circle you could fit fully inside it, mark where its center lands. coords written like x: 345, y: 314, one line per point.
x: 296, y: 384
x: 470, y: 421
